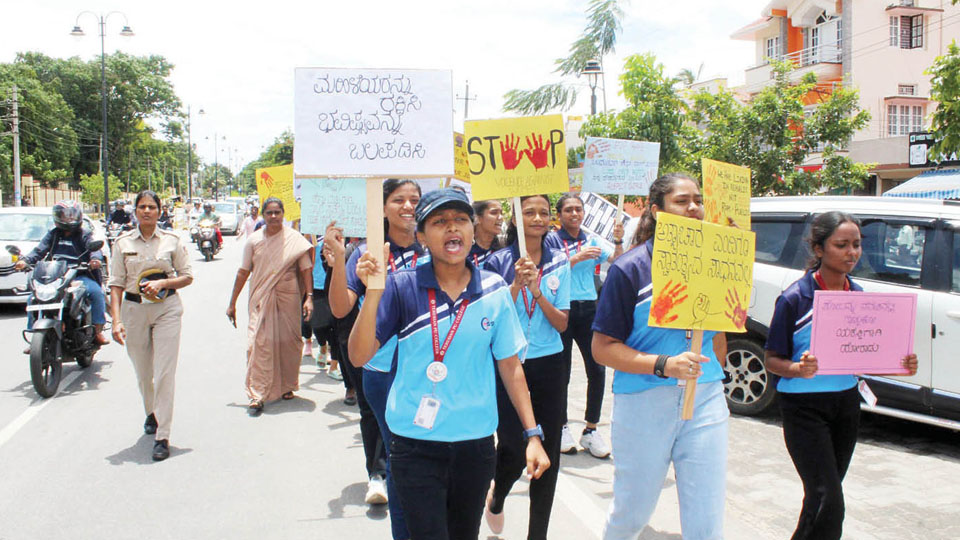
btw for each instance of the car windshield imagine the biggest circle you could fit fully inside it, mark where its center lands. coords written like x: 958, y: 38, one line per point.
x: 24, y: 227
x: 225, y: 208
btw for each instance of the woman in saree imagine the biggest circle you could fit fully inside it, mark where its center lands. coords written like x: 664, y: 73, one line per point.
x: 279, y: 263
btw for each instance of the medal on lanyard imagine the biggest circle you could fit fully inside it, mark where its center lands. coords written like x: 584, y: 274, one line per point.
x: 393, y: 266
x: 437, y: 370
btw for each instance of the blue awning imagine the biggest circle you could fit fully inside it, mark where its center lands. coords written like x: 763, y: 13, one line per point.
x: 930, y: 185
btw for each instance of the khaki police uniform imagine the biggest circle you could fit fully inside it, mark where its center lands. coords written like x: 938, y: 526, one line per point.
x: 153, y: 328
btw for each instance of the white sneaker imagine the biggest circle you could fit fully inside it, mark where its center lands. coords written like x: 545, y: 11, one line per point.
x: 594, y: 443
x: 567, y: 444
x: 376, y: 490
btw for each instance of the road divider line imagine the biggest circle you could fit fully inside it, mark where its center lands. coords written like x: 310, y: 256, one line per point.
x: 581, y: 505
x: 33, y: 410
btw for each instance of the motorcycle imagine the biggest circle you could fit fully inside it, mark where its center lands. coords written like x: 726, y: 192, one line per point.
x: 64, y: 329
x: 114, y: 230
x: 205, y: 235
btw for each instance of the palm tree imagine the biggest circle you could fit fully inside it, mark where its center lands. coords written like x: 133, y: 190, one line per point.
x: 598, y: 38
x: 687, y: 77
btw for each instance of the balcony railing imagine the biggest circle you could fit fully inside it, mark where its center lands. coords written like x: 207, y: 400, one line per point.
x: 820, y: 54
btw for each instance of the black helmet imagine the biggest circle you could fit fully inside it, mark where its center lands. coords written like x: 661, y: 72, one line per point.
x: 68, y: 215
x: 208, y: 206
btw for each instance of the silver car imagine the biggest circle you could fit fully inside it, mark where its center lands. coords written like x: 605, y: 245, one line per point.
x: 24, y: 228
x: 231, y: 216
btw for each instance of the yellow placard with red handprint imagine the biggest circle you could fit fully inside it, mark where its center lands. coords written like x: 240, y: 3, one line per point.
x: 702, y: 275
x: 278, y: 182
x: 514, y: 157
x: 726, y: 193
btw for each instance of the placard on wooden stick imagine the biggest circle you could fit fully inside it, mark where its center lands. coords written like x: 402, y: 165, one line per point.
x: 702, y: 278
x: 373, y: 123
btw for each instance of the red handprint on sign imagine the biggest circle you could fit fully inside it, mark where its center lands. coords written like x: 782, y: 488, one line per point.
x: 536, y: 152
x: 737, y: 313
x: 667, y: 300
x: 509, y: 155
x: 267, y: 179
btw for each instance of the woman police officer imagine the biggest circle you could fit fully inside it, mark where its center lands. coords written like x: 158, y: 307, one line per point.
x: 147, y: 267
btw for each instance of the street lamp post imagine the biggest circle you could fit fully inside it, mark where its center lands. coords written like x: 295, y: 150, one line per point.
x: 189, y: 160
x: 216, y: 164
x: 593, y: 70
x: 125, y: 32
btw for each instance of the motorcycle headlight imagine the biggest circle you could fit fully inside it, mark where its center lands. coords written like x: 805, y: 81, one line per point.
x: 45, y: 293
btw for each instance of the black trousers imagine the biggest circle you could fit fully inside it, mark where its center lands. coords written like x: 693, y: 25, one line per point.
x: 353, y: 378
x: 820, y: 431
x: 579, y: 329
x: 547, y: 383
x: 322, y: 322
x: 442, y: 486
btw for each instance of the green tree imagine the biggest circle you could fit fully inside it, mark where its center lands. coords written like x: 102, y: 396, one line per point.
x: 48, y: 143
x: 945, y: 90
x: 774, y: 134
x: 91, y: 187
x: 138, y: 89
x: 655, y: 112
x: 598, y: 38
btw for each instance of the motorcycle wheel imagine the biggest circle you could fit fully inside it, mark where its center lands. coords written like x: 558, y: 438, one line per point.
x: 84, y: 360
x: 45, y: 369
x: 208, y: 256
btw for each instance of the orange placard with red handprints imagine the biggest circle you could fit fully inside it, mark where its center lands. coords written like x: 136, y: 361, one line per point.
x: 514, y: 157
x: 702, y: 275
x: 726, y: 193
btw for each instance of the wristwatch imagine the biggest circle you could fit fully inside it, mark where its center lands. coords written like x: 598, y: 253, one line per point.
x: 533, y: 432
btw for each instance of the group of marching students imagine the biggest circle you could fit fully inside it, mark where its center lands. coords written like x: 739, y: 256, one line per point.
x: 472, y: 336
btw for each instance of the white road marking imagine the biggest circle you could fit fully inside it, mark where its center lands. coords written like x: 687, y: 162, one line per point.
x: 581, y: 504
x: 34, y: 409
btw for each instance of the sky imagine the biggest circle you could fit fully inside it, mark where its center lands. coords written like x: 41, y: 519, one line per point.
x: 236, y: 60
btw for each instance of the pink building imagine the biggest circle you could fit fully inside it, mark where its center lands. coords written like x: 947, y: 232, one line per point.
x: 879, y: 47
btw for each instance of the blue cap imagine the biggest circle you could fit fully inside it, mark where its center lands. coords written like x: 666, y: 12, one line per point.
x: 441, y: 199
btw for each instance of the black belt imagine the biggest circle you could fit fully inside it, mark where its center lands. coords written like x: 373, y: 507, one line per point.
x: 136, y: 297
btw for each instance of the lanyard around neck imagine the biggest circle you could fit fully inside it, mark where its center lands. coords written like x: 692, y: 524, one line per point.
x: 440, y: 351
x: 393, y: 265
x: 526, y: 304
x: 819, y: 279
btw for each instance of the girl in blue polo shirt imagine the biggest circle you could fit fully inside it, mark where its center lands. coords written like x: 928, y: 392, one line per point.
x: 400, y: 198
x: 650, y: 364
x: 487, y: 227
x: 540, y: 290
x: 821, y: 413
x: 452, y: 323
x: 586, y: 254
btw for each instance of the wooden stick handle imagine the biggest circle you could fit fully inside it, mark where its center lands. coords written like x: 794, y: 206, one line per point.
x: 375, y: 231
x: 518, y: 217
x: 690, y: 394
x: 619, y: 207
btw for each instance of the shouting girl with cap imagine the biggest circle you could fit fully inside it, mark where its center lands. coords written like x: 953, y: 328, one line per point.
x: 451, y: 320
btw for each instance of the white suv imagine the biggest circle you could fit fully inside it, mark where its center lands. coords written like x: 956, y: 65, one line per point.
x: 909, y: 245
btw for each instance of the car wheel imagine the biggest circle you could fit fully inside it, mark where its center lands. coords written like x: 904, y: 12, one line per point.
x: 750, y: 390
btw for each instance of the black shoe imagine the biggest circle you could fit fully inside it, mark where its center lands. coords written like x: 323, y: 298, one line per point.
x: 161, y: 450
x: 350, y: 399
x: 150, y: 425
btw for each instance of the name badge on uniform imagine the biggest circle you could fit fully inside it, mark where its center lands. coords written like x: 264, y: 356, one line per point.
x: 553, y: 283
x: 427, y: 412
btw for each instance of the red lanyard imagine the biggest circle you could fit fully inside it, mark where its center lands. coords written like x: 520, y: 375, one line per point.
x: 439, y: 351
x: 476, y: 262
x: 819, y: 280
x: 526, y: 303
x: 566, y: 248
x: 393, y: 266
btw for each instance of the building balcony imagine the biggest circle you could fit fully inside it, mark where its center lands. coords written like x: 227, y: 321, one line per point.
x: 825, y: 61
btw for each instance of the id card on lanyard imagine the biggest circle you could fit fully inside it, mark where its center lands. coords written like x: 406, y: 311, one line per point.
x: 437, y: 370
x: 529, y: 309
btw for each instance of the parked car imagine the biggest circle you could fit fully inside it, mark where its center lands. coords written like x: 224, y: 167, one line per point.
x: 231, y: 216
x: 24, y: 227
x: 909, y: 245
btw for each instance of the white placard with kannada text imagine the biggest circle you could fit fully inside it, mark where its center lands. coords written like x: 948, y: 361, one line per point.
x: 373, y: 122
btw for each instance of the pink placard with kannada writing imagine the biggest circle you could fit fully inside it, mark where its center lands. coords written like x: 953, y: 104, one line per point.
x: 862, y: 333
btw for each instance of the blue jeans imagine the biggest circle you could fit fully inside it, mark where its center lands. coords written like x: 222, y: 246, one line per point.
x: 98, y: 304
x: 376, y: 387
x: 648, y: 434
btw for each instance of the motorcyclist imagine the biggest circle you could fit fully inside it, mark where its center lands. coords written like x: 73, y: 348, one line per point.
x: 119, y: 215
x: 165, y: 220
x: 208, y: 214
x: 68, y: 238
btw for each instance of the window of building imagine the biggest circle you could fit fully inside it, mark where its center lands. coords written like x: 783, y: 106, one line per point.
x: 892, y: 120
x: 916, y: 121
x: 906, y: 32
x: 907, y: 89
x: 839, y: 33
x: 773, y: 48
x: 907, y: 3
